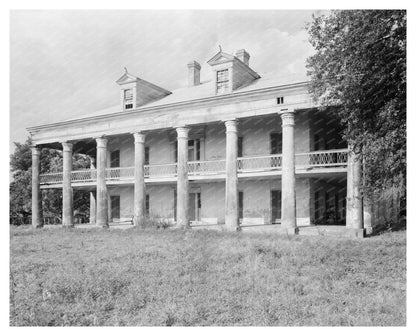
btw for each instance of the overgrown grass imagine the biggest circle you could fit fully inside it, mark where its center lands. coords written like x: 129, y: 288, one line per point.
x: 168, y: 277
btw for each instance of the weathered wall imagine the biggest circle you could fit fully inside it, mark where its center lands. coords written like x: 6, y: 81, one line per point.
x: 257, y: 199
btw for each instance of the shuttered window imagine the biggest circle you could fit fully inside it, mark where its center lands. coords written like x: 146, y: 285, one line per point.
x: 223, y: 81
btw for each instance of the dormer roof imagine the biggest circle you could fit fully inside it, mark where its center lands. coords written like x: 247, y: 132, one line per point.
x: 221, y: 57
x: 128, y: 78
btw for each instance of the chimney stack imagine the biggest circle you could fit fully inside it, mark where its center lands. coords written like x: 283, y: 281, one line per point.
x: 194, y: 70
x: 243, y: 56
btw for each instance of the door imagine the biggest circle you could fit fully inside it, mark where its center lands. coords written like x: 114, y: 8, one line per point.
x: 115, y: 207
x: 276, y: 205
x: 195, y: 206
x: 240, y: 206
x: 275, y: 143
x: 115, y: 159
x: 275, y: 148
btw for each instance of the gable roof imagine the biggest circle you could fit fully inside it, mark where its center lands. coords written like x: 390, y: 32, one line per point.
x: 204, y: 90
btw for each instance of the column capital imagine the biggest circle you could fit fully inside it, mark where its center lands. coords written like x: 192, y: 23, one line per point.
x: 101, y: 142
x: 288, y: 117
x: 35, y: 150
x: 67, y: 146
x: 139, y: 137
x: 182, y: 132
x: 231, y: 125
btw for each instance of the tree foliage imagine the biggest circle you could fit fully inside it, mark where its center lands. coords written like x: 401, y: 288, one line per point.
x: 21, y: 184
x: 360, y: 66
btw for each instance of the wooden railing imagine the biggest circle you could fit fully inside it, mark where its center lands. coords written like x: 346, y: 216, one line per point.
x: 327, y: 158
x: 165, y: 170
x: 206, y: 167
x: 266, y: 163
x: 119, y: 173
x: 85, y: 175
x: 51, y: 178
x: 259, y: 163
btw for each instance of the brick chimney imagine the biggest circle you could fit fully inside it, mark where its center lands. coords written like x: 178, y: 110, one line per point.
x: 194, y: 69
x: 243, y: 56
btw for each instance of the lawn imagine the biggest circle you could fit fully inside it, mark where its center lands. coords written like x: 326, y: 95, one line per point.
x: 167, y: 277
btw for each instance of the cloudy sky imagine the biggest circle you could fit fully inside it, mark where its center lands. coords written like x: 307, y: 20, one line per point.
x: 64, y: 64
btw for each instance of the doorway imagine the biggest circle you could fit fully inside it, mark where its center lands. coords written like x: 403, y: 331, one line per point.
x: 276, y: 206
x: 195, y: 206
x: 115, y: 207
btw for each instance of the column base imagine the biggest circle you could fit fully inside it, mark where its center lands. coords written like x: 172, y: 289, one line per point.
x: 138, y: 222
x: 368, y: 231
x: 292, y: 231
x: 356, y: 233
x: 232, y: 228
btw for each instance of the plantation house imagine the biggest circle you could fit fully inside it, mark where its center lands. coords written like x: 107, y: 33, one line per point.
x: 241, y: 151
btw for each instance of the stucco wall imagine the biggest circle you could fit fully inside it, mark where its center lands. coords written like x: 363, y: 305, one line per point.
x: 126, y: 199
x: 257, y: 202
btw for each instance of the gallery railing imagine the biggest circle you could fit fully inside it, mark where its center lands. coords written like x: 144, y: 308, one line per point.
x: 318, y: 159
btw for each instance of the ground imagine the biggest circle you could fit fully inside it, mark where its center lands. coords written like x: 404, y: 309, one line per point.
x: 166, y: 277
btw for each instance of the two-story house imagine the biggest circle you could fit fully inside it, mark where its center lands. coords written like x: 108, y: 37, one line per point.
x: 241, y: 151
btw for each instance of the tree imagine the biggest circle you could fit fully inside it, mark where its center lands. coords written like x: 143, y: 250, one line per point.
x: 360, y: 67
x: 21, y: 184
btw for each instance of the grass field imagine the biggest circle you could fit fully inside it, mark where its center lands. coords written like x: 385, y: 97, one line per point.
x: 166, y: 277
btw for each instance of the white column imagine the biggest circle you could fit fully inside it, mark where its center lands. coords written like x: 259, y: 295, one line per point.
x: 67, y: 194
x: 368, y: 215
x: 37, y: 220
x: 354, y: 218
x: 93, y: 202
x: 139, y: 185
x: 102, y: 205
x: 231, y: 182
x: 288, y: 172
x: 182, y: 211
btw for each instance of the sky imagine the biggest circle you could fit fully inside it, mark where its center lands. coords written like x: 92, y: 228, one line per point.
x: 64, y: 64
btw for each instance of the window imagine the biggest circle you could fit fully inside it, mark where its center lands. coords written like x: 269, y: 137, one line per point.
x: 146, y: 156
x: 279, y: 100
x: 128, y: 99
x: 194, y: 150
x: 115, y: 159
x: 222, y: 81
x: 240, y: 147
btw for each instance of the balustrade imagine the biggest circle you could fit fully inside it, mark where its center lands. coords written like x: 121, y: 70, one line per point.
x: 318, y: 159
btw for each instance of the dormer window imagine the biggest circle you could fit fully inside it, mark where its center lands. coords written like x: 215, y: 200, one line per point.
x: 128, y: 99
x: 223, y: 82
